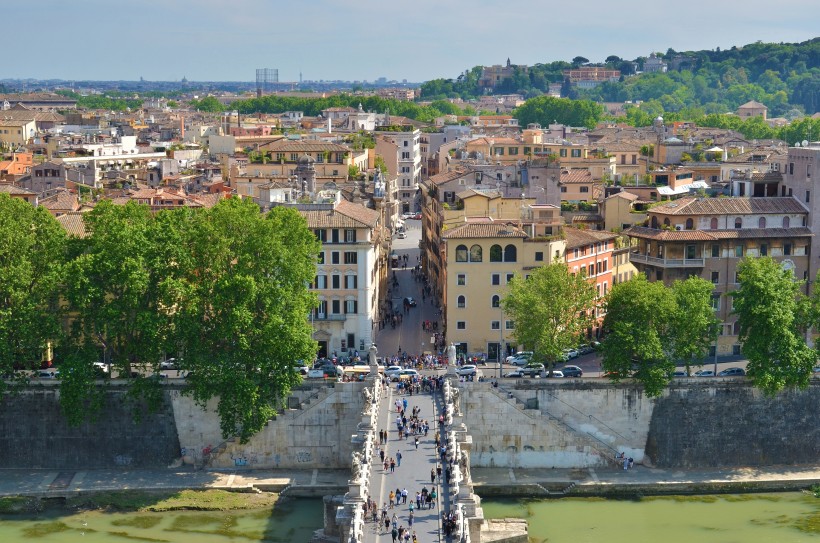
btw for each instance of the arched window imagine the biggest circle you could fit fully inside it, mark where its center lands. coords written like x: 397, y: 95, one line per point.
x: 461, y: 253
x: 666, y: 222
x: 761, y: 222
x: 496, y: 301
x: 786, y: 222
x: 654, y: 222
x: 510, y: 253
x: 496, y: 255
x: 475, y: 253
x: 462, y: 301
x: 738, y: 223
x: 690, y: 223
x: 713, y: 223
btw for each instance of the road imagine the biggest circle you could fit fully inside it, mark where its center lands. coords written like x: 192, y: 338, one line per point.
x: 409, y: 335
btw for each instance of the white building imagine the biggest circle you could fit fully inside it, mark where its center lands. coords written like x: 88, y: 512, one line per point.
x: 348, y: 273
x: 401, y: 152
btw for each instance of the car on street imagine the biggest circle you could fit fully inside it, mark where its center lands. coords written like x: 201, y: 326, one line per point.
x: 417, y: 216
x: 520, y: 360
x: 466, y: 370
x: 704, y: 373
x: 408, y: 215
x: 514, y: 373
x: 533, y: 370
x: 393, y: 371
x: 816, y: 369
x: 557, y: 374
x: 570, y: 354
x: 572, y: 371
x: 519, y: 354
x: 731, y: 372
x: 585, y: 349
x: 48, y: 374
x: 679, y: 373
x: 402, y: 235
x: 168, y: 364
x: 100, y: 367
x: 409, y: 301
x: 407, y: 374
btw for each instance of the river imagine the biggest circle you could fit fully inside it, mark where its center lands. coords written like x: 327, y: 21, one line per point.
x: 288, y: 521
x: 747, y: 518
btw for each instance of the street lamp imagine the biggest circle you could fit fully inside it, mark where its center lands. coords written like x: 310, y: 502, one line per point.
x: 500, y: 341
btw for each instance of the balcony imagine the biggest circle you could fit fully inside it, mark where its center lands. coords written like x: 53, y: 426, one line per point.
x: 330, y: 317
x: 667, y: 262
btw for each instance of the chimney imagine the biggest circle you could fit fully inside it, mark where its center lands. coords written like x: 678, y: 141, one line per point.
x: 182, y: 126
x: 329, y: 126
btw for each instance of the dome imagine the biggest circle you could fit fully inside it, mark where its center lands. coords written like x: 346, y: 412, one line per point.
x: 306, y: 159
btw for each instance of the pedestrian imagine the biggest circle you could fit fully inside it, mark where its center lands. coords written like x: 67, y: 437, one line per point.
x: 433, y: 496
x: 417, y: 443
x: 398, y: 458
x: 386, y: 464
x: 387, y: 527
x: 395, y: 534
x: 392, y: 465
x: 626, y: 464
x: 411, y: 506
x: 418, y: 500
x: 403, y: 495
x: 631, y: 463
x: 410, y: 519
x: 381, y: 454
x: 432, y: 476
x: 395, y: 521
x: 438, y: 472
x: 392, y: 499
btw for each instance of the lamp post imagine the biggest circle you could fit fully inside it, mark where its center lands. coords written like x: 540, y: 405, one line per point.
x: 717, y: 335
x: 500, y: 341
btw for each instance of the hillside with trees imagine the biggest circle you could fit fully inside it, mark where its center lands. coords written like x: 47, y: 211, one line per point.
x: 785, y: 77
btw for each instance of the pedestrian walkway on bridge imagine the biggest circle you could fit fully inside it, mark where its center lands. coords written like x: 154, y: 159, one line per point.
x: 417, y: 471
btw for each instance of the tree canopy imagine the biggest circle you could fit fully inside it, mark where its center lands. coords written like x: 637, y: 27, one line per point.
x: 552, y: 309
x: 546, y: 110
x: 649, y: 326
x: 772, y: 315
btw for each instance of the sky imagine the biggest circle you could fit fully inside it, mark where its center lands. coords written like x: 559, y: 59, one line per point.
x: 418, y: 40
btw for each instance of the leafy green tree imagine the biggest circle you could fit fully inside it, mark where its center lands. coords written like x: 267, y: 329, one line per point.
x: 208, y: 104
x: 649, y: 326
x: 546, y: 110
x: 551, y: 310
x: 241, y: 310
x: 771, y: 313
x: 32, y: 256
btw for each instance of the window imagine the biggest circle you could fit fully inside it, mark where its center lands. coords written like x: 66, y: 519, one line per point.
x: 495, y: 325
x: 713, y: 224
x: 690, y: 224
x: 808, y: 196
x: 462, y: 279
x: 715, y: 277
x: 764, y: 249
x: 351, y: 306
x: 691, y: 251
x: 350, y: 236
x: 786, y: 222
x: 351, y: 257
x: 321, y: 257
x: 461, y: 253
x: 406, y: 143
x: 321, y: 235
x: 510, y: 253
x: 496, y: 279
x: 539, y: 256
x: 716, y: 301
x: 666, y: 222
x: 513, y: 150
x: 335, y: 280
x: 496, y: 301
x: 334, y: 235
x: 761, y: 222
x: 583, y: 189
x: 510, y: 277
x: 321, y: 311
x: 791, y: 168
x: 715, y: 250
x: 334, y: 257
x: 496, y: 254
x: 634, y: 159
x: 576, y: 153
x: 562, y: 152
x: 461, y: 325
x: 509, y: 325
x: 563, y: 188
x: 336, y: 307
x: 405, y: 156
x: 321, y: 281
x: 787, y: 249
x: 591, y: 270
x: 738, y: 251
x: 475, y: 253
x: 738, y: 222
x: 351, y: 281
x: 461, y: 301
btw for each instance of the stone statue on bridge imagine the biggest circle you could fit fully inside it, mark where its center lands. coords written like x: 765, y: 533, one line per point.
x: 356, y: 468
x: 456, y: 403
x: 368, y: 401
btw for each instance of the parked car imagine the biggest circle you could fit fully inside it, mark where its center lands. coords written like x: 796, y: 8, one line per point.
x: 169, y: 364
x: 519, y: 354
x: 514, y: 373
x: 585, y: 349
x: 393, y: 371
x: 100, y: 367
x: 417, y: 216
x: 730, y: 372
x: 466, y: 370
x: 704, y: 373
x: 520, y: 360
x: 533, y: 370
x: 406, y: 375
x: 48, y: 374
x: 402, y: 235
x: 679, y: 373
x: 408, y: 215
x: 570, y: 354
x: 572, y: 371
x: 557, y: 374
x: 816, y: 369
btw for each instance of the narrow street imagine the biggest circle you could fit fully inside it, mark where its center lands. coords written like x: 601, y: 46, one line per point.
x: 409, y: 335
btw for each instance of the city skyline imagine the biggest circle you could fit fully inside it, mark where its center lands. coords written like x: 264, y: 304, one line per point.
x: 213, y: 40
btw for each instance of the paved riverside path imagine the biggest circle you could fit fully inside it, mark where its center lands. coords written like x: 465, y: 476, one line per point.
x: 413, y: 474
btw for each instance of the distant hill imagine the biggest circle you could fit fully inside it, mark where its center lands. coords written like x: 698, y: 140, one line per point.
x: 785, y: 77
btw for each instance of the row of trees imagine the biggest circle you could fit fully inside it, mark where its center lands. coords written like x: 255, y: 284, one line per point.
x: 650, y: 328
x: 225, y: 288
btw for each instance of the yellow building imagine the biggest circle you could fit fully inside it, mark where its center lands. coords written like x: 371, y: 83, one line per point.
x: 14, y: 133
x: 481, y: 259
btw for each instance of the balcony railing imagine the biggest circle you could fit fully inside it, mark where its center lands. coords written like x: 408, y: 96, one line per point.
x: 329, y: 317
x: 667, y: 262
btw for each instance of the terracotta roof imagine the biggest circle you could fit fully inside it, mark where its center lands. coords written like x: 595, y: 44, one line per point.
x: 625, y: 195
x: 729, y: 206
x: 576, y: 176
x: 344, y: 215
x: 751, y: 104
x: 358, y: 212
x: 312, y: 146
x: 491, y: 193
x: 73, y: 224
x: 713, y: 235
x: 485, y: 230
x: 15, y: 191
x: 444, y: 177
x: 62, y: 200
x: 576, y: 237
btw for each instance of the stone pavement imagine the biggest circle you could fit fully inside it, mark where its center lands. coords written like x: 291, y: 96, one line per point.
x: 413, y: 474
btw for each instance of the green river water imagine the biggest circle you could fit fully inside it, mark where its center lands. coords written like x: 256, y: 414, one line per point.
x: 737, y: 518
x: 744, y: 518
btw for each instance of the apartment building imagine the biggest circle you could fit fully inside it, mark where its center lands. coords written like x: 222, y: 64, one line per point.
x: 707, y: 237
x: 801, y: 177
x: 590, y: 253
x: 399, y: 146
x: 350, y: 275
